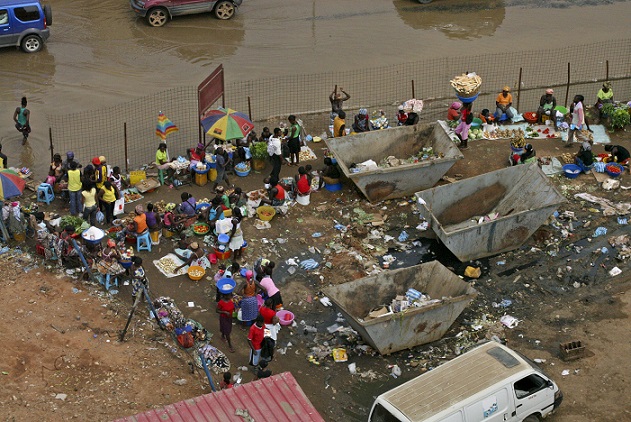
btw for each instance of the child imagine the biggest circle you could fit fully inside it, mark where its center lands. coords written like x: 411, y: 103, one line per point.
x: 462, y: 131
x: 486, y: 116
x: 227, y: 381
x: 269, y: 341
x: 116, y: 178
x: 138, y: 278
x: 225, y: 308
x: 255, y: 338
x: 238, y: 198
x: 262, y: 371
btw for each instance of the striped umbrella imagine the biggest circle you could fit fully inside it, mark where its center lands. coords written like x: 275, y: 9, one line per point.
x: 226, y: 124
x: 164, y: 127
x: 11, y: 184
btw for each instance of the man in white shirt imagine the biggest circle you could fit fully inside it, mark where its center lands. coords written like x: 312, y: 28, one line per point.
x: 275, y: 153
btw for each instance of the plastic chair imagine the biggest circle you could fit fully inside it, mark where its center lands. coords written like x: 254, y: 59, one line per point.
x: 143, y: 242
x: 45, y: 193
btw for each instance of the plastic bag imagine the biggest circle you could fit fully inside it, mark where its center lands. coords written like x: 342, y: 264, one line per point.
x: 100, y: 217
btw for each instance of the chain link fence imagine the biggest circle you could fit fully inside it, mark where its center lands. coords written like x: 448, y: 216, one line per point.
x: 570, y: 71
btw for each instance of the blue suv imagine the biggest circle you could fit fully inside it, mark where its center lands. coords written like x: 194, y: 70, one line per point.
x: 24, y: 24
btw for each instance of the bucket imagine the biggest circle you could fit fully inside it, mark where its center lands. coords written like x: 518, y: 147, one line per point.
x: 155, y: 237
x: 223, y: 239
x: 201, y: 179
x: 212, y: 174
x: 303, y: 199
x: 223, y: 254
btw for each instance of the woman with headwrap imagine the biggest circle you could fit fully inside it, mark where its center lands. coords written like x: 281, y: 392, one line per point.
x: 108, y: 264
x: 194, y: 255
x: 362, y: 121
x: 528, y: 155
x: 249, y: 303
x: 453, y: 114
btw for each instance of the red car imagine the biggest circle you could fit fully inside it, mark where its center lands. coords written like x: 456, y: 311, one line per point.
x: 158, y: 12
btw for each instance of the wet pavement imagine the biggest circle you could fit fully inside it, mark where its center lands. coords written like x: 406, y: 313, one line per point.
x: 102, y: 55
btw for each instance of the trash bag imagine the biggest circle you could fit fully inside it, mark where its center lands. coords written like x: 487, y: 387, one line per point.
x: 100, y: 217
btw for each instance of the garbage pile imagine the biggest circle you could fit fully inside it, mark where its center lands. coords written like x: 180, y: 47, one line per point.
x: 412, y: 299
x: 425, y: 154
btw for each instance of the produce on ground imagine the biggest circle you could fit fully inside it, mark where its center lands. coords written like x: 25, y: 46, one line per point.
x: 168, y: 265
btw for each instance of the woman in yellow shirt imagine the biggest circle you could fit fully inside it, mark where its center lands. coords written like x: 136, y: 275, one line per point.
x: 107, y: 196
x: 89, y: 205
x: 503, y: 102
x: 339, y: 125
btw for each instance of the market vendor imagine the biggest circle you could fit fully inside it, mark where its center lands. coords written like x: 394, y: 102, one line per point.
x: 528, y: 155
x: 547, y: 104
x: 55, y: 171
x: 188, y: 204
x: 220, y: 193
x: 152, y: 218
x: 172, y: 221
x: 243, y: 148
x: 238, y: 198
x: 108, y: 262
x: 503, y: 103
x: 339, y: 125
x: 361, y: 122
x: 402, y: 116
x: 453, y: 114
x: 585, y: 158
x: 619, y: 154
x: 213, y: 212
x: 139, y: 225
x: 194, y: 255
x: 605, y: 96
x: 69, y: 159
x: 276, y: 194
x: 329, y: 174
x: 303, y: 184
x: 197, y: 154
x: 486, y: 116
x: 236, y: 235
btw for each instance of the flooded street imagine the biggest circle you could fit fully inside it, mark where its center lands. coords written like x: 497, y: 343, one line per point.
x: 102, y: 55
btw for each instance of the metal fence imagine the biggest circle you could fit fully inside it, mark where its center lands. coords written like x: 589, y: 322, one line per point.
x: 571, y: 70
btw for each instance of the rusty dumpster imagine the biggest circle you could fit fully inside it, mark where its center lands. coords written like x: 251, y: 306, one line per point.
x: 403, y: 143
x: 491, y: 213
x: 413, y: 326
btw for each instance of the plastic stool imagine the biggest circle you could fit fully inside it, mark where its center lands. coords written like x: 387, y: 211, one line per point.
x: 110, y: 281
x: 161, y: 176
x: 143, y: 242
x: 333, y: 187
x: 45, y: 193
x: 501, y: 118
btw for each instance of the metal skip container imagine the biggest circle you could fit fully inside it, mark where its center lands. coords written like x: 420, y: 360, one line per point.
x: 403, y: 143
x: 415, y: 325
x: 491, y: 213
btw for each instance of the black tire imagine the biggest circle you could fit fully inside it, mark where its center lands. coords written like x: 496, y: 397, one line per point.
x: 157, y: 17
x: 532, y: 418
x: 48, y: 14
x: 225, y: 10
x: 31, y: 43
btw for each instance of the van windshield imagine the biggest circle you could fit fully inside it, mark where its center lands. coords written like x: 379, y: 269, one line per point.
x: 381, y: 414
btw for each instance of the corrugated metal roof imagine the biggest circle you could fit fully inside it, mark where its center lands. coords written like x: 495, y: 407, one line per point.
x: 278, y: 398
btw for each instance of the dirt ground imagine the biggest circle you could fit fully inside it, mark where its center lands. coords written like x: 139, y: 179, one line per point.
x: 62, y: 359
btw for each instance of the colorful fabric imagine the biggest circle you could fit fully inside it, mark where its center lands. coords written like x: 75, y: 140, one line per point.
x: 249, y: 308
x: 165, y: 126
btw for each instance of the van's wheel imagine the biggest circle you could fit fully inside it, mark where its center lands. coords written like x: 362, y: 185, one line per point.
x: 224, y: 10
x: 48, y: 14
x: 31, y: 43
x: 532, y: 418
x: 157, y: 17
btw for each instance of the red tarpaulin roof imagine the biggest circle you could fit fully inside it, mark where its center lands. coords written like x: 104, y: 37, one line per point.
x: 278, y: 398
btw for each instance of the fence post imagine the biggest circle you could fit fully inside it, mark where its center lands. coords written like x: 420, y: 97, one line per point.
x: 413, y: 92
x: 519, y: 87
x: 607, y: 70
x: 567, y: 90
x: 249, y: 108
x: 50, y: 140
x: 126, y: 159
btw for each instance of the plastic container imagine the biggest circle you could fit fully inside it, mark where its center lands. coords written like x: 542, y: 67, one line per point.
x: 226, y: 285
x: 241, y: 173
x: 286, y: 317
x: 530, y: 116
x: 571, y: 171
x: 616, y: 165
x: 477, y: 122
x: 265, y: 212
x: 195, y: 272
x: 223, y: 239
x: 467, y: 100
x: 202, y: 229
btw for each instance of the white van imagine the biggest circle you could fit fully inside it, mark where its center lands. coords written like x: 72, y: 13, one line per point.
x: 489, y: 383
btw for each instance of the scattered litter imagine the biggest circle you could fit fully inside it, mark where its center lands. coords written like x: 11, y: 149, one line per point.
x: 325, y: 301
x: 540, y: 360
x: 403, y: 236
x: 501, y: 262
x: 75, y: 290
x: 339, y: 355
x: 509, y: 321
x: 340, y: 227
x: 181, y: 381
x: 600, y: 231
x: 615, y: 271
x: 503, y: 304
x: 316, y: 234
x: 565, y: 372
x: 190, y: 304
x: 623, y: 221
x: 472, y: 272
x: 262, y: 225
x: 396, y: 371
x: 352, y: 368
x: 61, y: 396
x: 309, y: 264
x: 423, y: 226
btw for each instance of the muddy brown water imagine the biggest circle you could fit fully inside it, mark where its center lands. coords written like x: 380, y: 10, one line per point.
x: 100, y: 55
